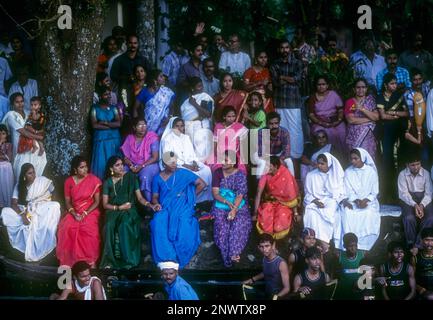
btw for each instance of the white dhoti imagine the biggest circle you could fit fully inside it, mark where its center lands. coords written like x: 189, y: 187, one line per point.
x: 365, y: 223
x: 37, y: 239
x: 325, y: 222
x: 291, y: 119
x: 201, y: 137
x: 261, y: 168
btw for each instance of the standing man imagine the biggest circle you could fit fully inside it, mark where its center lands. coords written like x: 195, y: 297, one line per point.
x: 177, y: 288
x: 402, y: 75
x: 417, y: 57
x: 234, y: 61
x: 173, y: 61
x: 211, y: 85
x: 286, y: 76
x: 415, y: 192
x: 5, y: 75
x: 26, y: 86
x: 123, y: 66
x: 366, y: 63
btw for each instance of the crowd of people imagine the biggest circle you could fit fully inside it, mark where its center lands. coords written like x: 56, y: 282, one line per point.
x: 255, y: 146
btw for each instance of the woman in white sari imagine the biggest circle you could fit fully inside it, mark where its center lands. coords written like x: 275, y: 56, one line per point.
x: 197, y: 113
x: 15, y: 121
x: 175, y: 140
x: 32, y: 221
x: 360, y: 210
x: 324, y: 190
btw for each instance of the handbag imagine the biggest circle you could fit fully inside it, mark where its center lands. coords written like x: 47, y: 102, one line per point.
x: 230, y: 196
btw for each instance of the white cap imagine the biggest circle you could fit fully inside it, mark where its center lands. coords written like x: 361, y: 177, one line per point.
x: 168, y: 265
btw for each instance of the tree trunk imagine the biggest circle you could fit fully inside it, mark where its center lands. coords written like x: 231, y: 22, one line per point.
x: 146, y: 29
x: 67, y: 61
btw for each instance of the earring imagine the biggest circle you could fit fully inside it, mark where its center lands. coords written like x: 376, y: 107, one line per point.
x: 24, y: 179
x: 112, y: 172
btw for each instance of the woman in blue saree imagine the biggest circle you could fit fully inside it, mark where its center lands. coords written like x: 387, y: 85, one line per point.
x: 157, y: 100
x: 175, y: 233
x: 106, y: 136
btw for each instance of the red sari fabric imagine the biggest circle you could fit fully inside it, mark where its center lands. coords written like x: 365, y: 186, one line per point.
x: 281, y: 195
x: 235, y: 98
x: 80, y: 240
x: 252, y: 76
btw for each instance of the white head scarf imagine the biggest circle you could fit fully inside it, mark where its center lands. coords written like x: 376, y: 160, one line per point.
x: 167, y: 130
x: 168, y: 265
x: 335, y: 182
x: 366, y: 158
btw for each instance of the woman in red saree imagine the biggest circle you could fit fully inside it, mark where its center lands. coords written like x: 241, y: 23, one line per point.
x: 258, y: 78
x: 78, y: 233
x: 228, y: 97
x: 280, y: 200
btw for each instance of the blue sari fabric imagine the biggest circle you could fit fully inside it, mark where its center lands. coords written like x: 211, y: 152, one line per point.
x: 180, y: 290
x: 175, y: 233
x: 106, y: 143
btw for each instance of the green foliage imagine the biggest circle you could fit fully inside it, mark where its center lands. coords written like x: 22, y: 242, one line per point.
x: 253, y: 19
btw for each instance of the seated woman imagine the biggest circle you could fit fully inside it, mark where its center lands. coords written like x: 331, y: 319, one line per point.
x: 141, y: 151
x: 228, y: 97
x: 105, y: 121
x: 276, y: 200
x: 175, y: 233
x: 227, y: 136
x: 32, y: 221
x: 175, y: 140
x: 197, y: 113
x: 325, y: 109
x: 231, y: 210
x: 311, y: 152
x: 122, y: 248
x: 360, y: 211
x: 324, y: 190
x: 79, y: 230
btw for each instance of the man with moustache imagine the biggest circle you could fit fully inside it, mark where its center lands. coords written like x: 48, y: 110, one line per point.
x: 193, y: 68
x: 417, y: 57
x: 402, y: 75
x: 123, y: 66
x: 175, y: 286
x: 234, y: 61
x: 286, y: 75
x: 211, y: 85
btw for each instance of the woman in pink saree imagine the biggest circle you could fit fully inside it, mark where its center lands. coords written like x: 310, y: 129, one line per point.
x: 228, y: 136
x: 325, y: 109
x: 361, y: 115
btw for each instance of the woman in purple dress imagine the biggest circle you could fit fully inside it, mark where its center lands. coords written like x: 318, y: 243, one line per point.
x: 361, y: 115
x: 325, y: 109
x: 231, y: 210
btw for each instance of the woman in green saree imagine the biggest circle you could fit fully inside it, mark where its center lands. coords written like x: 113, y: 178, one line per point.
x: 121, y: 191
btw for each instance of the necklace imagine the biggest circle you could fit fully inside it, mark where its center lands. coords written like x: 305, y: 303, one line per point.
x: 114, y: 185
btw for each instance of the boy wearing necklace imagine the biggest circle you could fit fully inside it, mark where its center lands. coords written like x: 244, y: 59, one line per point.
x: 423, y: 264
x: 398, y: 276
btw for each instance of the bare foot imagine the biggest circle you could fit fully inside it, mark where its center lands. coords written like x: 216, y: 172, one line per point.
x: 236, y: 259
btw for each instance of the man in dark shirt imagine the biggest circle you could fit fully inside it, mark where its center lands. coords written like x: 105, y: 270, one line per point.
x: 123, y: 66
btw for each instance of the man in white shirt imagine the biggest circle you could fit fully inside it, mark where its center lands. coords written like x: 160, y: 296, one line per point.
x: 234, y: 61
x: 366, y: 63
x: 27, y: 87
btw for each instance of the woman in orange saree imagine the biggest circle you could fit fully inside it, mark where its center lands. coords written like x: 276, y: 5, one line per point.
x: 228, y: 97
x: 280, y: 200
x: 78, y: 232
x: 258, y: 78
